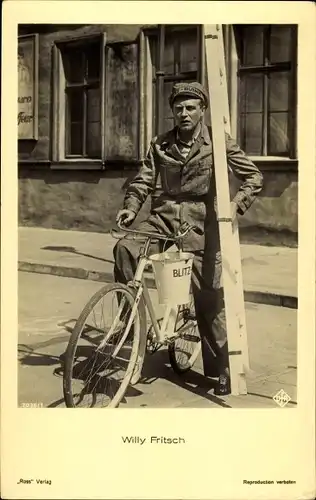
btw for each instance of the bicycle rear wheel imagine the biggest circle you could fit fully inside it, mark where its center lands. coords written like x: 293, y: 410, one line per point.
x: 184, y: 350
x: 103, y: 347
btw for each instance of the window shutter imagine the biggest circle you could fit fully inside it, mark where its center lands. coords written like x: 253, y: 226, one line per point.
x: 58, y: 99
x: 121, y: 102
x: 103, y: 76
x: 55, y: 104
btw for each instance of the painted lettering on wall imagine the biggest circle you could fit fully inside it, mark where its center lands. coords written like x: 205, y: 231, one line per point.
x: 24, y: 118
x: 27, y: 59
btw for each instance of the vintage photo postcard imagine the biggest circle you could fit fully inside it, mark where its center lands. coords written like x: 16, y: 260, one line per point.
x: 158, y: 250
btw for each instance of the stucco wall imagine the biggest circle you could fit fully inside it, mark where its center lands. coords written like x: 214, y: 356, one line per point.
x: 273, y: 218
x: 277, y: 207
x: 65, y: 199
x: 89, y: 201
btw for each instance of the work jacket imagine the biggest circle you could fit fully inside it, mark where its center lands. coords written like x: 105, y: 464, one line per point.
x: 183, y: 189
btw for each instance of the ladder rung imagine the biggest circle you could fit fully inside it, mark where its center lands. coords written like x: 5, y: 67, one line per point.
x: 225, y: 219
x: 215, y: 37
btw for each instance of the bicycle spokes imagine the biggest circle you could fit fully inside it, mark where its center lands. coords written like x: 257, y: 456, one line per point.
x: 103, y: 352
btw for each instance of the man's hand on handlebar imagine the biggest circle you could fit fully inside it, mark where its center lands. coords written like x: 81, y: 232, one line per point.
x: 125, y: 217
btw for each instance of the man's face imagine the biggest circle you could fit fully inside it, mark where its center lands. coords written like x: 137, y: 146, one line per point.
x: 187, y: 112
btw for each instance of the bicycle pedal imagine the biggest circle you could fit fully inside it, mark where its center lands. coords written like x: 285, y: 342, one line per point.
x: 189, y: 315
x: 153, y: 348
x: 148, y: 380
x: 171, y: 340
x: 190, y: 338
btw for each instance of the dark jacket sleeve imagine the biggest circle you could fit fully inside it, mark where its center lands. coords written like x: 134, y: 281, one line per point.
x: 142, y: 184
x: 246, y: 171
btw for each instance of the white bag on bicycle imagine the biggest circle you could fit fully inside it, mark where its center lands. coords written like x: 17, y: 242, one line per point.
x: 172, y: 271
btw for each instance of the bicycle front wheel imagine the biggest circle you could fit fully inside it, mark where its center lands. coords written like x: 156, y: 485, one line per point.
x: 103, y: 348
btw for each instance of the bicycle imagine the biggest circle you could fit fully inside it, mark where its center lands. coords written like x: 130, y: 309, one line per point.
x: 112, y: 353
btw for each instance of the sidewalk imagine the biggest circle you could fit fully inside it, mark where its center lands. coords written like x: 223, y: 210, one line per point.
x: 269, y: 273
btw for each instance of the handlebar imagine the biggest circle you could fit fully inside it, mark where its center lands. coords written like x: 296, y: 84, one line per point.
x: 184, y: 229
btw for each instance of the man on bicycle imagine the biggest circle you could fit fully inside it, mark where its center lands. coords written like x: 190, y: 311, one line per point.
x: 178, y: 172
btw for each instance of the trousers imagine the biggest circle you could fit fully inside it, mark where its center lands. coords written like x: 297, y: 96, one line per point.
x: 206, y: 288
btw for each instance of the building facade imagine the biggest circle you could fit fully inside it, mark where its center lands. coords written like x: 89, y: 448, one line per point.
x: 92, y: 96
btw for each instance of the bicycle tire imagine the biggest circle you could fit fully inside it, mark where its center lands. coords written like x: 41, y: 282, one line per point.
x: 183, y: 367
x: 138, y: 329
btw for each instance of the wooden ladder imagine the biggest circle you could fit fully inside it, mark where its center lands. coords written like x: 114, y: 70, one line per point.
x: 228, y: 231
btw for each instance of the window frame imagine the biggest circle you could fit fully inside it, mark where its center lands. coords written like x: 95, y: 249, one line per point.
x: 158, y: 35
x: 266, y: 70
x: 59, y: 132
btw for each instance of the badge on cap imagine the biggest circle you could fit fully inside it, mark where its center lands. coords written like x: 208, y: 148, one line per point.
x: 194, y: 89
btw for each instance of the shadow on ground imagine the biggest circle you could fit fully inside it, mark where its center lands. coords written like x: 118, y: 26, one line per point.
x: 69, y: 249
x: 156, y: 367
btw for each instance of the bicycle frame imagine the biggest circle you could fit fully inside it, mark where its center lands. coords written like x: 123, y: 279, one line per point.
x: 163, y: 334
x: 167, y: 328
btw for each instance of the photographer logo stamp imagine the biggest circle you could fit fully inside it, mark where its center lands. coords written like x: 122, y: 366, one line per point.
x: 281, y: 398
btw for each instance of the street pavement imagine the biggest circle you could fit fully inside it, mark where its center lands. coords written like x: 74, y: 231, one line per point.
x: 49, y: 306
x: 269, y: 273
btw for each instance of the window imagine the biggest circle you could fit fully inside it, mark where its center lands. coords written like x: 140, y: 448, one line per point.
x: 267, y: 89
x: 95, y: 102
x: 177, y: 62
x: 79, y: 99
x: 82, y: 66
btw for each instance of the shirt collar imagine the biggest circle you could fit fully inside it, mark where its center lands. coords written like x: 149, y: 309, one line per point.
x: 172, y: 135
x: 192, y: 141
x: 205, y: 134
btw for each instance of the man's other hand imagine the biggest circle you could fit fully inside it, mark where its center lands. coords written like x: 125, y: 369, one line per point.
x: 125, y: 217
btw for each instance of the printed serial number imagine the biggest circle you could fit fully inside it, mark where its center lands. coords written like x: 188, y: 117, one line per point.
x: 32, y: 405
